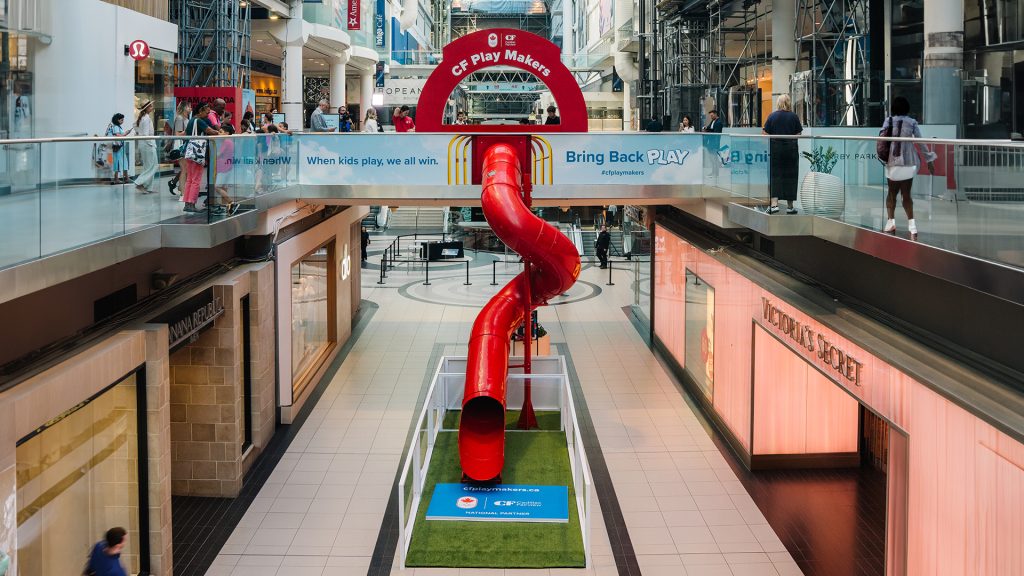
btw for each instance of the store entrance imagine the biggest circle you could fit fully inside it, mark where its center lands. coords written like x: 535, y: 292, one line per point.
x: 841, y: 521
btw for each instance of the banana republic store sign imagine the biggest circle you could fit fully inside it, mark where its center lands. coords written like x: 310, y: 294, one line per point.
x: 832, y: 359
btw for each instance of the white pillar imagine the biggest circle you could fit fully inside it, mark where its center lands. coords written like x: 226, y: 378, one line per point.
x: 627, y: 111
x: 291, y: 89
x: 783, y: 46
x: 338, y: 66
x: 365, y: 92
x: 568, y: 21
x: 943, y: 61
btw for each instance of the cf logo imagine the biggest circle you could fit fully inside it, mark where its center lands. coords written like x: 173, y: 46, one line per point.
x: 138, y: 50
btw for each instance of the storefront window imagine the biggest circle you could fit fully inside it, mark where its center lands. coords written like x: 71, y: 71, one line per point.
x: 700, y: 333
x: 154, y: 80
x: 313, y: 285
x: 77, y: 477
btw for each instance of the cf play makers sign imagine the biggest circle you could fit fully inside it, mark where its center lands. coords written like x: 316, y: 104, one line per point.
x: 502, y: 503
x: 502, y: 50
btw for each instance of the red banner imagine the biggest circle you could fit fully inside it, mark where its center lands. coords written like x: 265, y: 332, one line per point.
x: 354, y: 22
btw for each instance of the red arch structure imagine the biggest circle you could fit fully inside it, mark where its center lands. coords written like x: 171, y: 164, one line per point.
x: 501, y: 47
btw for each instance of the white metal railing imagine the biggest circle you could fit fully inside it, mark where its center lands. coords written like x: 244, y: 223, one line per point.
x: 550, y: 391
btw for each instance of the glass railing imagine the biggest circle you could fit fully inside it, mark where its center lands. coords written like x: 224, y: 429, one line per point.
x: 969, y: 199
x: 58, y: 194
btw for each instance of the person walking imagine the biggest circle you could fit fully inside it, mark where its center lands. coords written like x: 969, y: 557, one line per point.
x: 552, y: 117
x: 604, y: 241
x: 147, y: 149
x: 903, y: 163
x: 686, y: 124
x: 119, y: 148
x: 714, y: 123
x: 317, y: 122
x: 364, y: 242
x: 181, y: 118
x: 105, y: 557
x: 613, y: 214
x: 196, y: 154
x: 783, y: 154
x: 370, y: 123
x: 712, y: 147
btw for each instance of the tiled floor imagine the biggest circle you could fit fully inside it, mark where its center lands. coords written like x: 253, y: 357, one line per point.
x: 321, y: 509
x: 832, y: 520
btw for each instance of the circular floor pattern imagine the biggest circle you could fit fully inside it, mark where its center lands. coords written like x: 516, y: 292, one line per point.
x: 450, y: 291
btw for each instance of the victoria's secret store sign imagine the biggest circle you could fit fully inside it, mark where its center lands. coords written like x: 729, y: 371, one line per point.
x: 826, y: 354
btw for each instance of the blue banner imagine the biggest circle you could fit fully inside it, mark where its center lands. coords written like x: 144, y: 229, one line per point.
x: 625, y: 158
x: 501, y: 503
x: 378, y: 24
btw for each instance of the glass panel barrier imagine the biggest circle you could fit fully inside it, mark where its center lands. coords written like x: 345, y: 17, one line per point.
x: 56, y: 195
x: 20, y: 210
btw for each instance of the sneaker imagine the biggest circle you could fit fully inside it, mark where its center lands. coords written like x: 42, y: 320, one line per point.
x: 171, y: 185
x: 233, y: 209
x: 912, y: 226
x: 890, y: 226
x: 189, y: 207
x: 771, y: 210
x: 791, y: 211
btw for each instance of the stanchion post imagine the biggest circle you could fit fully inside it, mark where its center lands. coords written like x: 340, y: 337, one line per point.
x: 494, y: 272
x: 467, y: 283
x: 427, y: 281
x: 610, y: 283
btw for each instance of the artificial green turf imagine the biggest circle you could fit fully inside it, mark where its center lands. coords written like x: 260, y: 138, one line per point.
x: 546, y: 420
x: 538, y: 457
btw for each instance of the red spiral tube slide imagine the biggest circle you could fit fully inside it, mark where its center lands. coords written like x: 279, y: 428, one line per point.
x: 554, y: 266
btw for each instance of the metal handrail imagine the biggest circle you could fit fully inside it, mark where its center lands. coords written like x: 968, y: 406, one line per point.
x: 956, y: 142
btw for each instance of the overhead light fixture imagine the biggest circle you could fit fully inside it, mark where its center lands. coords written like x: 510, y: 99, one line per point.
x: 243, y: 4
x: 273, y: 16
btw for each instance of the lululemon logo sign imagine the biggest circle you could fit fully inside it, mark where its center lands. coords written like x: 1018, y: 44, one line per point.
x: 466, y: 502
x: 138, y: 50
x: 492, y: 40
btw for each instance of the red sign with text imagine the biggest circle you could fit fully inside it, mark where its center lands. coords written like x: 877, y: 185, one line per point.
x: 232, y: 98
x: 501, y: 47
x: 354, y: 22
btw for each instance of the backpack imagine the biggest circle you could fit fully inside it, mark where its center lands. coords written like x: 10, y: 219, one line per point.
x: 882, y: 147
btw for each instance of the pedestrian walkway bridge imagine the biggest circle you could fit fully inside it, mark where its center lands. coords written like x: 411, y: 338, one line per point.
x: 60, y: 217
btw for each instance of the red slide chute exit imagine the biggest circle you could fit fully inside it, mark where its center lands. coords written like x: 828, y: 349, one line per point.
x: 552, y: 265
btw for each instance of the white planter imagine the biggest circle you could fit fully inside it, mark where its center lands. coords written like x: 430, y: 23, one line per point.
x: 822, y: 195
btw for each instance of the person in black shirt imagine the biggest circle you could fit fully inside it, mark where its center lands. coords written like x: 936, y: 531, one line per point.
x: 604, y: 240
x: 364, y: 242
x: 552, y: 118
x: 783, y: 154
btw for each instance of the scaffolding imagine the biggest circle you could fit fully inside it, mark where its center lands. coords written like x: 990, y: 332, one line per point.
x: 213, y: 42
x: 831, y: 86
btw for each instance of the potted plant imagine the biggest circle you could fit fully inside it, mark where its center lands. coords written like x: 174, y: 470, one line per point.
x: 821, y: 193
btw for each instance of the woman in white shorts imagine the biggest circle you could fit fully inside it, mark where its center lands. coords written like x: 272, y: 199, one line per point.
x: 903, y: 164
